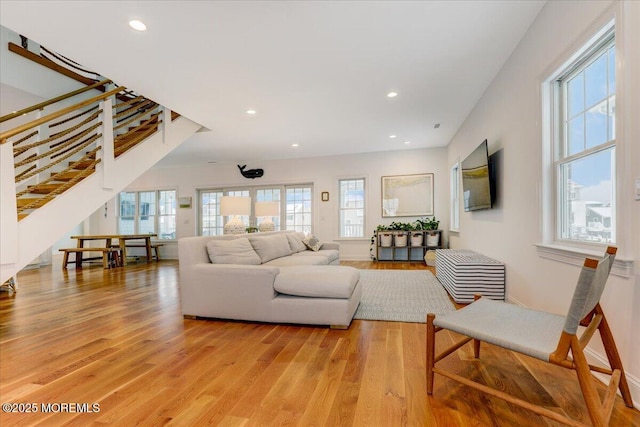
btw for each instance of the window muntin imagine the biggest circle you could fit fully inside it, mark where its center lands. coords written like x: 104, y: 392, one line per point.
x: 145, y: 212
x: 584, y: 167
x: 351, y: 206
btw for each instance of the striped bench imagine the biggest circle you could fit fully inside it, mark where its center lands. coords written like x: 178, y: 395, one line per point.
x: 464, y: 273
x: 110, y: 256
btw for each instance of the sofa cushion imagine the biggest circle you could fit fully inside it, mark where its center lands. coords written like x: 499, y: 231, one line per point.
x: 317, y: 281
x: 295, y: 241
x: 329, y: 254
x: 299, y: 260
x: 312, y: 242
x: 270, y: 247
x: 236, y: 251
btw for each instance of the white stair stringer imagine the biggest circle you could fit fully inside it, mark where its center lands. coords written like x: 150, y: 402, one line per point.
x: 23, y: 241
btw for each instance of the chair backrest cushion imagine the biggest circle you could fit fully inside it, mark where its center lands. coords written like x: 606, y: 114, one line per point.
x: 588, y: 292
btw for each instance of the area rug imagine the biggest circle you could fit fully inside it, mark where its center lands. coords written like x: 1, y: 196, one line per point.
x: 401, y: 296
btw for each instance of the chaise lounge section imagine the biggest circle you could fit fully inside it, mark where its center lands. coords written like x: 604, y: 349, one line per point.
x: 268, y: 277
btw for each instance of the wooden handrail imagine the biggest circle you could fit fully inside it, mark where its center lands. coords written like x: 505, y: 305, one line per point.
x: 52, y: 101
x: 26, y: 53
x: 8, y: 134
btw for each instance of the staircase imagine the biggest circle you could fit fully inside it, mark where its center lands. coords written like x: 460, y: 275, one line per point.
x: 60, y: 167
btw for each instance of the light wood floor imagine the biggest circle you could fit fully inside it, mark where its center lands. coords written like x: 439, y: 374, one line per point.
x: 116, y: 338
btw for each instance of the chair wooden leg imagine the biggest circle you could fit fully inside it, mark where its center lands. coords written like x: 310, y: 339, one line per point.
x: 431, y: 347
x: 65, y: 260
x: 476, y: 348
x: 586, y: 384
x: 614, y: 357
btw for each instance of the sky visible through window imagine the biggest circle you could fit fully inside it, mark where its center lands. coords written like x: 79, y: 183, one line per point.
x: 590, y: 123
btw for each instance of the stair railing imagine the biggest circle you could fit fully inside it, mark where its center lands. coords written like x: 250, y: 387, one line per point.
x: 55, y: 151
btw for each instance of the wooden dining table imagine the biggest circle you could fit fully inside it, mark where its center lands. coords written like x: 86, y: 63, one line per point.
x: 122, y: 242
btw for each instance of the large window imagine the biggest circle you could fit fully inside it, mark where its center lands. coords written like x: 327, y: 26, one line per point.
x: 584, y: 163
x: 351, y: 207
x: 295, y: 213
x: 145, y: 212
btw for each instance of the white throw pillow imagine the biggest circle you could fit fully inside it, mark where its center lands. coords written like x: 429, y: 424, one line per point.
x: 312, y: 242
x: 236, y: 251
x: 270, y: 247
x: 295, y: 241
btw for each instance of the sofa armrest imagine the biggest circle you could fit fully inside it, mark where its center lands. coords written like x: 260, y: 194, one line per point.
x: 224, y: 290
x: 331, y: 245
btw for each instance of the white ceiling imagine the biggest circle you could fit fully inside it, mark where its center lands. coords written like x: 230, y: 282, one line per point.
x: 317, y: 73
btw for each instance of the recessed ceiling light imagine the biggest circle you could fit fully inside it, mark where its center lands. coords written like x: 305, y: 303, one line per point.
x: 392, y: 94
x: 295, y: 145
x: 393, y: 136
x: 251, y: 112
x: 407, y: 142
x: 137, y: 25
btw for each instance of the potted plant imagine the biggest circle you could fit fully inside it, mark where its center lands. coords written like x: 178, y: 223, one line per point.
x: 433, y: 235
x: 385, y: 236
x: 417, y: 236
x: 400, y: 233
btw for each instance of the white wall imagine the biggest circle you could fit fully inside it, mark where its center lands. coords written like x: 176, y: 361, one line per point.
x: 509, y: 114
x: 322, y: 172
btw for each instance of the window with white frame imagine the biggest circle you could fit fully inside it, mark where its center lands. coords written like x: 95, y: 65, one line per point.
x: 297, y: 209
x: 210, y: 218
x: 454, y: 182
x: 351, y: 206
x: 584, y: 145
x: 144, y: 212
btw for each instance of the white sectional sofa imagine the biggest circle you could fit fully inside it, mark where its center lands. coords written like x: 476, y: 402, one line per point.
x: 267, y: 277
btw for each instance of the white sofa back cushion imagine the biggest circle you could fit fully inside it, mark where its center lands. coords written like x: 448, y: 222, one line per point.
x: 295, y: 241
x: 236, y: 251
x: 270, y: 247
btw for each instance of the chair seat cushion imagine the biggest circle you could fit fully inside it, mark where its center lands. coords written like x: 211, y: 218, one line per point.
x: 531, y: 332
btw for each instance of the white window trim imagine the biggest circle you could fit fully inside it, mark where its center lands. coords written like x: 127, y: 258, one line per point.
x: 575, y: 256
x: 548, y: 247
x: 454, y: 197
x: 364, y: 220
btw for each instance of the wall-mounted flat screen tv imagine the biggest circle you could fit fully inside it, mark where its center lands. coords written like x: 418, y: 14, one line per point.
x: 476, y: 183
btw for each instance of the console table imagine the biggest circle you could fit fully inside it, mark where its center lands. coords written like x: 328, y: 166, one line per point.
x: 464, y: 273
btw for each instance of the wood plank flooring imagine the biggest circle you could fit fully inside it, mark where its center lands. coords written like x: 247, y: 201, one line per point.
x: 115, y: 338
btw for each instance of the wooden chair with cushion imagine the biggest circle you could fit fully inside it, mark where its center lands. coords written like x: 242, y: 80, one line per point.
x: 549, y: 337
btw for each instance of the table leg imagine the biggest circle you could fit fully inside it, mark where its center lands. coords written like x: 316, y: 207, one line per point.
x: 147, y: 241
x: 79, y: 254
x: 123, y: 251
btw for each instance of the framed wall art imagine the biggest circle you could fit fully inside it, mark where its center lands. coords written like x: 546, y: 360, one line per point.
x: 407, y: 195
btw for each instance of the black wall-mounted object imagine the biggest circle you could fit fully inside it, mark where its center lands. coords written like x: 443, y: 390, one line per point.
x: 251, y: 173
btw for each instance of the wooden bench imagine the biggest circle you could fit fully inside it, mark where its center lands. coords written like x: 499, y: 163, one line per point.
x: 110, y: 256
x: 154, y: 247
